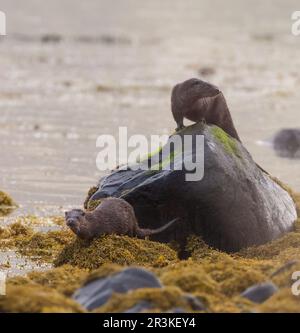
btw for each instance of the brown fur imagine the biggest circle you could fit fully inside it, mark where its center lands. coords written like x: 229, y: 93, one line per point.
x: 112, y: 216
x: 197, y: 100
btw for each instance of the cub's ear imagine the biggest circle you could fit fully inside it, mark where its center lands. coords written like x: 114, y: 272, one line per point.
x: 66, y: 214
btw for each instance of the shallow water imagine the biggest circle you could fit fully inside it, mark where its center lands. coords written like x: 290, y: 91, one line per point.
x: 114, y: 64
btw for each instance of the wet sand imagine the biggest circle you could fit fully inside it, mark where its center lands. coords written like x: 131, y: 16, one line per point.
x: 70, y: 71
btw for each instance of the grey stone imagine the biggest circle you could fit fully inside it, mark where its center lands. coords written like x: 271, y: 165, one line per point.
x: 260, y: 292
x: 97, y: 292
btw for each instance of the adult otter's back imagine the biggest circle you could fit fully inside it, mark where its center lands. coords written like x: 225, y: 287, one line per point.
x: 112, y: 216
x: 197, y: 100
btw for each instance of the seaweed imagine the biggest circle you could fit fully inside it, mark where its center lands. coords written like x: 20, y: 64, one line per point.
x: 160, y: 300
x: 7, y: 204
x: 32, y: 298
x: 122, y: 250
x: 213, y: 277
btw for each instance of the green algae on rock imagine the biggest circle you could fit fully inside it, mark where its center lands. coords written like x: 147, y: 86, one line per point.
x: 122, y: 250
x: 229, y: 143
x: 7, y: 204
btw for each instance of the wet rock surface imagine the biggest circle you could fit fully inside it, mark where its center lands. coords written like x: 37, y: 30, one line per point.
x: 235, y: 205
x: 97, y: 292
x: 260, y: 292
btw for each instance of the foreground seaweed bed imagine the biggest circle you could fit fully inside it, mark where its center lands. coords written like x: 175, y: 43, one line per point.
x: 214, y: 277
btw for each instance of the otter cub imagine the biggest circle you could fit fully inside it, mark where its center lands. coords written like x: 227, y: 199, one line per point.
x: 197, y: 100
x: 112, y: 216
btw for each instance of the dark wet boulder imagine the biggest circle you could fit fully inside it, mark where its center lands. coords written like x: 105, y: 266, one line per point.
x: 286, y: 143
x: 260, y: 292
x: 97, y: 292
x: 234, y: 205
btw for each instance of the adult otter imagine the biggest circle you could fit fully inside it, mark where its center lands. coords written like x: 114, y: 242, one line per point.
x: 197, y: 100
x: 112, y: 216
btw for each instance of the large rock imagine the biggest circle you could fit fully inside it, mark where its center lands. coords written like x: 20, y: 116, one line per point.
x: 235, y: 205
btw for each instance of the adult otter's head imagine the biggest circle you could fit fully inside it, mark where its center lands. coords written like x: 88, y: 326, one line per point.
x: 75, y: 220
x: 185, y: 94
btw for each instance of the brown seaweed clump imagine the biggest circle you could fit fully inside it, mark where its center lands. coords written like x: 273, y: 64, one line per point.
x: 122, y: 250
x: 282, y: 302
x: 32, y: 298
x: 65, y: 279
x: 160, y: 300
x: 7, y: 204
x: 87, y: 205
x: 36, y: 245
x: 214, y: 278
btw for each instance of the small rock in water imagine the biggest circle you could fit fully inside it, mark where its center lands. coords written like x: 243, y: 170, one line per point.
x: 287, y: 143
x: 97, y: 292
x: 260, y: 292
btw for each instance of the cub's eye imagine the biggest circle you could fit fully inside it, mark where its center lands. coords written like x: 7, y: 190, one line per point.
x: 82, y: 213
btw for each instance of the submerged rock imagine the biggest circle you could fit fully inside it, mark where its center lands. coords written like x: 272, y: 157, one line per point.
x: 287, y: 143
x: 96, y: 293
x: 234, y: 205
x: 260, y: 292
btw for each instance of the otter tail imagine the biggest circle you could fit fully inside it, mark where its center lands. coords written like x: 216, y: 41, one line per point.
x: 142, y: 233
